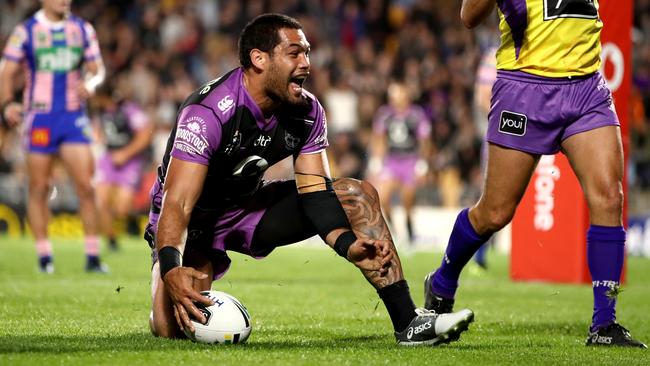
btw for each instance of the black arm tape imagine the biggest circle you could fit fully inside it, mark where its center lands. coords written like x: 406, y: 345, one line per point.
x: 343, y: 243
x: 169, y: 258
x: 324, y: 211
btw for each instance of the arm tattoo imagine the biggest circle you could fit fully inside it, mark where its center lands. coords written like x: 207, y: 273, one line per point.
x: 361, y: 204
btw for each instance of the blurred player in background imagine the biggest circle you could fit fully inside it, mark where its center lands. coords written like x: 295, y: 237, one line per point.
x: 399, y: 150
x: 548, y: 97
x: 62, y: 65
x: 126, y: 133
x: 210, y: 196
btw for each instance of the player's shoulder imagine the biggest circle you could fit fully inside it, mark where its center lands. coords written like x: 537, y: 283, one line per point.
x: 218, y: 94
x: 216, y: 98
x: 310, y: 109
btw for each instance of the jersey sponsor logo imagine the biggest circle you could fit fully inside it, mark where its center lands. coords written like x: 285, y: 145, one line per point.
x: 40, y: 136
x: 585, y: 9
x: 262, y: 141
x: 190, y: 136
x: 291, y: 141
x: 58, y: 59
x: 512, y: 123
x: 225, y: 104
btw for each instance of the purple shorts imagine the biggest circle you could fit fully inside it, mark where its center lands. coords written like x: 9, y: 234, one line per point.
x: 400, y: 168
x: 211, y: 232
x: 45, y: 132
x: 535, y: 114
x: 125, y: 176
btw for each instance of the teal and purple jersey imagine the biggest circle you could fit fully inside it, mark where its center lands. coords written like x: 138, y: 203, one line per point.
x: 52, y: 54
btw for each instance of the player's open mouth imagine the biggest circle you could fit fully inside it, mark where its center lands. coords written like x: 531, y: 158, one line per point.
x: 295, y: 83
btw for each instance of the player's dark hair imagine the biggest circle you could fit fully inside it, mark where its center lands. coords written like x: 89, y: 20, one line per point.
x: 262, y: 33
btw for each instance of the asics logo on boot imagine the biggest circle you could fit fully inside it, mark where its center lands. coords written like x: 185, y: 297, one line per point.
x: 419, y: 329
x: 601, y: 339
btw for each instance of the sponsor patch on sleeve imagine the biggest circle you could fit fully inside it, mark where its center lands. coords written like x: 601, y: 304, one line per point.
x: 191, y: 136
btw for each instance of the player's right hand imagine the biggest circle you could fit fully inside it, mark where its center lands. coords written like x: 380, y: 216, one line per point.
x: 13, y: 114
x: 371, y: 254
x: 178, y: 283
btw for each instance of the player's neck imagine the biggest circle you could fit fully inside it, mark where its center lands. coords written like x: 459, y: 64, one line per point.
x: 53, y: 16
x: 263, y: 101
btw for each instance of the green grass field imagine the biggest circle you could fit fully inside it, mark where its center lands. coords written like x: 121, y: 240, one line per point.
x: 309, y: 307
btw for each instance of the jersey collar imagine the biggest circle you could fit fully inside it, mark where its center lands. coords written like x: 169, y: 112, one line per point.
x: 41, y: 18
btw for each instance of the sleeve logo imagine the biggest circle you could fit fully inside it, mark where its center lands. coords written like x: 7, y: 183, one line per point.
x: 225, y: 104
x: 191, y: 136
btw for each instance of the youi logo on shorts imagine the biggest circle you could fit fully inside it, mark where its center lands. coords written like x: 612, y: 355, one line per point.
x: 513, y: 123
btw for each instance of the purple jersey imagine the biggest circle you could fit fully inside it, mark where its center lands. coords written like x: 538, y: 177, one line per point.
x: 121, y: 125
x: 403, y: 129
x: 220, y: 126
x: 52, y: 55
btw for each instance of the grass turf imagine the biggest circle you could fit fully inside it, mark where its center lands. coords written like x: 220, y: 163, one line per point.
x: 309, y: 308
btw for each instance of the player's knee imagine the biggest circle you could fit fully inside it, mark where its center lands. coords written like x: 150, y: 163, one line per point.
x: 608, y: 199
x: 162, y: 329
x: 38, y: 188
x: 85, y: 192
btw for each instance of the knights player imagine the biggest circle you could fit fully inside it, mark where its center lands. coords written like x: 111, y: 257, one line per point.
x: 59, y: 56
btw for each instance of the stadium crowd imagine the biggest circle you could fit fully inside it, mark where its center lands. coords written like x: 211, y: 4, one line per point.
x: 165, y: 49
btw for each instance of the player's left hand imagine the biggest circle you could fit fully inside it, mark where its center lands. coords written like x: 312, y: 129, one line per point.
x: 84, y: 93
x: 119, y: 157
x: 371, y: 254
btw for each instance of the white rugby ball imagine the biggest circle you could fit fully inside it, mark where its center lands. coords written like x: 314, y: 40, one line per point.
x: 228, y: 321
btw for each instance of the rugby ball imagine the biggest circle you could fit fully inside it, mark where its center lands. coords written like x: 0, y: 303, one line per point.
x: 228, y: 321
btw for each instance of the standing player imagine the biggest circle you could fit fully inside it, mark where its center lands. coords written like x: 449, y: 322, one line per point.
x: 548, y: 97
x: 60, y: 56
x: 210, y: 196
x: 400, y: 144
x: 127, y: 133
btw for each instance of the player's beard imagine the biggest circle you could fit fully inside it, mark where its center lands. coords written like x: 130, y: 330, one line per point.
x: 278, y: 88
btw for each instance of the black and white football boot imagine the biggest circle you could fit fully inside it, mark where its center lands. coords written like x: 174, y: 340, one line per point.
x: 429, y: 328
x: 434, y: 302
x: 613, y: 334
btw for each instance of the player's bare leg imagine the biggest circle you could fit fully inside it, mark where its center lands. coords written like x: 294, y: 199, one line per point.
x: 361, y: 204
x: 385, y: 189
x: 408, y: 201
x: 412, y: 326
x: 105, y: 199
x: 79, y: 163
x: 39, y: 169
x: 508, y: 172
x: 162, y: 321
x: 602, y: 184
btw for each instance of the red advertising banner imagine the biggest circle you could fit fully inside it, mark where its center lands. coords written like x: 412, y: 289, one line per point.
x: 549, y: 228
